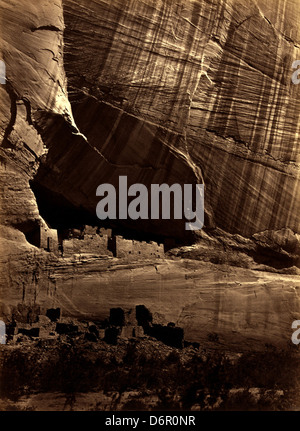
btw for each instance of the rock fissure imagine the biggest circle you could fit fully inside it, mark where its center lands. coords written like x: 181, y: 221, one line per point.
x: 47, y: 28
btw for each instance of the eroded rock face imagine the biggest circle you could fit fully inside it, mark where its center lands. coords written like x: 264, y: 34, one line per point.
x: 32, y: 42
x: 190, y: 91
x: 217, y: 306
x: 196, y: 91
x: 161, y: 91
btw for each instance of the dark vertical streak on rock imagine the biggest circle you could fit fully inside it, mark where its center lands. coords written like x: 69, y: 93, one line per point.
x: 13, y: 114
x: 28, y: 111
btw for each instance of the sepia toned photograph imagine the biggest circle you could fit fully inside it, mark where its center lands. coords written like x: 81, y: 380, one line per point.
x: 149, y: 208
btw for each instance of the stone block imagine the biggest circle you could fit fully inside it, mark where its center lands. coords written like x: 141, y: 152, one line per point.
x: 32, y: 332
x: 66, y: 328
x: 53, y: 314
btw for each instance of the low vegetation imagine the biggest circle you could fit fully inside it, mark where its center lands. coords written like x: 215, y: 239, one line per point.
x: 178, y: 379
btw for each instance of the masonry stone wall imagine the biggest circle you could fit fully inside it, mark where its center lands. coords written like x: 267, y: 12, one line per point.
x: 90, y: 244
x: 92, y: 240
x: 48, y: 239
x: 132, y: 249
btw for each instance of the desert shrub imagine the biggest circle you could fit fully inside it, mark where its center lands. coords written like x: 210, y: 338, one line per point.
x: 134, y: 405
x: 179, y: 378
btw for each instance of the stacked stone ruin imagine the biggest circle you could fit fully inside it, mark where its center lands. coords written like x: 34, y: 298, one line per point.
x: 98, y: 242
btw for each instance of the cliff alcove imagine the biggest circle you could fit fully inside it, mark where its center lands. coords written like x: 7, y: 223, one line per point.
x: 187, y: 92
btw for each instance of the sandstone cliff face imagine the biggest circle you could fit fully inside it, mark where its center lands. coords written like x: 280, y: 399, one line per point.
x: 161, y: 91
x: 187, y: 91
x: 192, y: 91
x: 32, y: 41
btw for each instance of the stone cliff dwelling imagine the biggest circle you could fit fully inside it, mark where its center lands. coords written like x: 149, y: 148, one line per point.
x: 121, y: 247
x: 92, y: 240
x: 42, y: 236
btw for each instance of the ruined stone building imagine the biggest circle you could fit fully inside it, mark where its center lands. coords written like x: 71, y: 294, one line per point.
x: 94, y: 241
x: 133, y: 249
x: 42, y: 236
x: 91, y: 240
